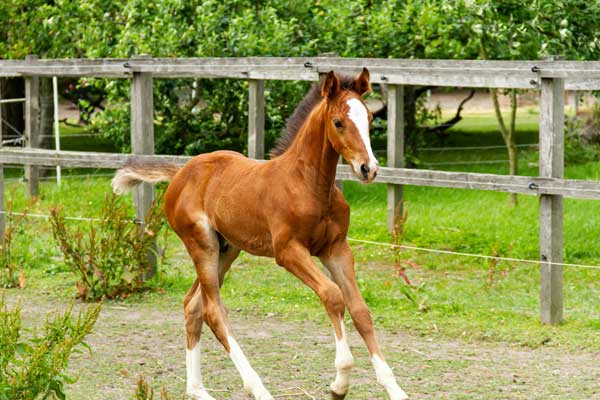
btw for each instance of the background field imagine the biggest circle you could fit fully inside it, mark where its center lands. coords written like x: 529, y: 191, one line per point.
x: 456, y: 333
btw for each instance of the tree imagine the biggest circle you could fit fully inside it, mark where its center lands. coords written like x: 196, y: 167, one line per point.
x: 216, y: 115
x: 516, y: 30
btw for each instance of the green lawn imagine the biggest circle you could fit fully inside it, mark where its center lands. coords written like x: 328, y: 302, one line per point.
x: 453, y: 296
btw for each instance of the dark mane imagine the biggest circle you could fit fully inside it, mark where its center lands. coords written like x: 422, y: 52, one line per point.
x: 296, y: 120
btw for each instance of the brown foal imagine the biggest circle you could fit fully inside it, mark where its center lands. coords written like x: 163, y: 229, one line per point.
x: 288, y: 208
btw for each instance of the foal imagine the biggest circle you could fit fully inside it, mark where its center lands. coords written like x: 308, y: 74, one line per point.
x: 287, y: 208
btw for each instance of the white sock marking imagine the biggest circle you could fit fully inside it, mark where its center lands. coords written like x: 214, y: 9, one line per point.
x: 386, y: 378
x: 194, y: 387
x: 343, y: 363
x: 359, y: 115
x: 252, y: 382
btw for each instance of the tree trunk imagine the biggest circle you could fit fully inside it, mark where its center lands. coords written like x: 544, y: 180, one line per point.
x: 508, y: 134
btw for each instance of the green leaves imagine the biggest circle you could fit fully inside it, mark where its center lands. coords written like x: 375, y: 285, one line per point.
x: 34, y: 368
x: 110, y: 256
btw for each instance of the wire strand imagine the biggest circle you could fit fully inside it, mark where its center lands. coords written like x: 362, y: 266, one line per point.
x: 458, y: 253
x: 371, y: 242
x: 45, y: 216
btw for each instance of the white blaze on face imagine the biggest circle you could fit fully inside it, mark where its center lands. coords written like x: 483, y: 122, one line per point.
x: 359, y: 115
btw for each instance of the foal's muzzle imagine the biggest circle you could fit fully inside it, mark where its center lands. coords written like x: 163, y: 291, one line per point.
x: 368, y: 173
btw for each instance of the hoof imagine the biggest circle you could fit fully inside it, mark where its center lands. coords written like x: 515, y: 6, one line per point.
x: 266, y: 396
x: 201, y: 394
x: 335, y: 396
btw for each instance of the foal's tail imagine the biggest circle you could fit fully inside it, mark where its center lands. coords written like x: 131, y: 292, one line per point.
x: 135, y: 173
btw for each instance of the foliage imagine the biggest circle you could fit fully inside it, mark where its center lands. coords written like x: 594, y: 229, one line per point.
x: 30, y: 368
x: 144, y: 391
x: 579, y: 144
x: 216, y: 117
x: 8, y: 267
x: 110, y: 258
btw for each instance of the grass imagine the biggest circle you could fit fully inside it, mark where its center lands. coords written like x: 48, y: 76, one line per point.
x: 452, y: 297
x: 454, y: 290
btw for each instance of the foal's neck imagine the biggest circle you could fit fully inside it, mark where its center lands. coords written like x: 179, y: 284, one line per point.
x: 313, y: 155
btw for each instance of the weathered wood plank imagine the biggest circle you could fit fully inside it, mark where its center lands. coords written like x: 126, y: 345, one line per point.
x: 256, y: 119
x: 460, y: 180
x: 395, y: 148
x: 32, y: 127
x: 551, y: 165
x: 466, y: 73
x: 2, y: 216
x: 142, y: 142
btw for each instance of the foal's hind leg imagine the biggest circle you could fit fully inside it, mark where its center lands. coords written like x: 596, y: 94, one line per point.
x: 203, y: 246
x: 192, y: 309
x: 192, y: 305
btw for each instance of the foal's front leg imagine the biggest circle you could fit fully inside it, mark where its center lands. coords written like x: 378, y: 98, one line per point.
x: 296, y: 259
x: 339, y: 261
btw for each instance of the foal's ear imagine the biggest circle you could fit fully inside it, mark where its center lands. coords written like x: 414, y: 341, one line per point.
x: 330, y: 86
x: 362, y: 82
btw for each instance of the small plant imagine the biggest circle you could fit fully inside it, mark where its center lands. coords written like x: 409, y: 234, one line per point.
x: 35, y: 367
x: 110, y: 258
x: 493, y: 268
x: 10, y: 275
x: 144, y: 391
x: 493, y: 265
x: 400, y: 218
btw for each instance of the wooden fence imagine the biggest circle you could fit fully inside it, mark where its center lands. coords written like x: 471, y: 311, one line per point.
x: 550, y: 77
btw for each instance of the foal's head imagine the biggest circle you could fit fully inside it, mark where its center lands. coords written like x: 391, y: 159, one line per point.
x: 348, y: 122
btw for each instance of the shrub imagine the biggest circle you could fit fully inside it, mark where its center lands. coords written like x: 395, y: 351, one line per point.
x: 8, y: 268
x: 581, y: 139
x: 110, y: 258
x: 35, y: 367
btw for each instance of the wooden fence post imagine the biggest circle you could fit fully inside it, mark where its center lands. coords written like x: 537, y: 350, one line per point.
x: 256, y: 119
x: 395, y: 147
x: 551, y: 206
x: 142, y: 142
x: 2, y: 209
x: 32, y: 128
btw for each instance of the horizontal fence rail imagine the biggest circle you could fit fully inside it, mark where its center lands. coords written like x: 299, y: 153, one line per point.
x: 531, y: 185
x: 578, y: 75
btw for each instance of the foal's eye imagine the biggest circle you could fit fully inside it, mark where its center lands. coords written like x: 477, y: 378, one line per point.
x: 337, y: 123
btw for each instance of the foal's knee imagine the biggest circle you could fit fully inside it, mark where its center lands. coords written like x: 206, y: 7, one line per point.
x: 332, y: 298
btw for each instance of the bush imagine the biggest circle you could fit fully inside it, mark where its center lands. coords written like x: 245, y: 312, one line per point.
x: 582, y: 143
x: 35, y: 367
x: 110, y: 258
x: 8, y: 268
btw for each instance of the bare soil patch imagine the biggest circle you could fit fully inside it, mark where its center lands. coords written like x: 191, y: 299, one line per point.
x: 294, y: 358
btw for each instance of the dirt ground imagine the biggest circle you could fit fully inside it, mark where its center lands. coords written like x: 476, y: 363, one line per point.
x: 295, y: 359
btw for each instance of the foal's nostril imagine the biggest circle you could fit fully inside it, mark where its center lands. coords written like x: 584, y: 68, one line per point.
x: 364, y: 169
